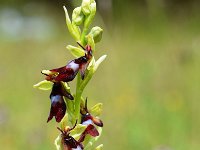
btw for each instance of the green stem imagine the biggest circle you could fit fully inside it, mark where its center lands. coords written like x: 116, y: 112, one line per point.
x: 70, y: 109
x: 77, y: 98
x: 84, y: 33
x: 79, y: 90
x: 86, y: 80
x: 88, y: 20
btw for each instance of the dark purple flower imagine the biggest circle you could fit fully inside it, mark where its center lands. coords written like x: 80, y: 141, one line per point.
x: 58, y: 106
x: 69, y: 143
x: 87, y: 118
x: 68, y: 73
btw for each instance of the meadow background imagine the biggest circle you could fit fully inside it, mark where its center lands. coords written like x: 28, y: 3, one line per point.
x: 149, y: 83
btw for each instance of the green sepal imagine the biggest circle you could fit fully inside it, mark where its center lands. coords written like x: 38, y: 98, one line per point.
x: 44, y: 85
x: 58, y: 143
x: 96, y: 110
x: 91, y: 64
x: 100, y: 147
x: 77, y: 131
x: 72, y: 28
x: 99, y: 61
x: 76, y: 51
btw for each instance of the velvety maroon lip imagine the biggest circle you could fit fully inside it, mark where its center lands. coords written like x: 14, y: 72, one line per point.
x: 58, y: 106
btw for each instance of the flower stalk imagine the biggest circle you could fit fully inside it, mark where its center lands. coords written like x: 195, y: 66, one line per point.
x: 80, y: 127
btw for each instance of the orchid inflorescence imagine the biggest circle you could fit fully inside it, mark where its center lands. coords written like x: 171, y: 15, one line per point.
x: 70, y: 109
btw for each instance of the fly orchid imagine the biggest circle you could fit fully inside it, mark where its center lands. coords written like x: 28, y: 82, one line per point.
x: 58, y: 106
x: 67, y: 141
x: 70, y: 143
x: 66, y: 107
x: 87, y: 118
x: 68, y: 73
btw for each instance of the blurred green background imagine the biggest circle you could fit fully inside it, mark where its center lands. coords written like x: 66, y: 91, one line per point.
x: 149, y: 83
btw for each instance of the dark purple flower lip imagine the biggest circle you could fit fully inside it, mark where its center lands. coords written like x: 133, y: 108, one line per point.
x: 87, y: 118
x: 68, y: 73
x: 58, y: 106
x: 91, y: 130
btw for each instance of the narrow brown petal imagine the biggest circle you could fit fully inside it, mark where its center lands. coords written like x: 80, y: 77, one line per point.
x: 97, y: 121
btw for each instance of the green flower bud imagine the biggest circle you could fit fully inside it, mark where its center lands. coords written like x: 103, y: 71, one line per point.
x: 93, y: 7
x: 76, y: 51
x: 72, y: 29
x: 85, y: 6
x: 96, y: 33
x: 77, y: 16
x: 90, y: 18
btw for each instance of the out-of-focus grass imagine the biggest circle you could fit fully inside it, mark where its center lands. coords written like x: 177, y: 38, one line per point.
x: 149, y: 85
